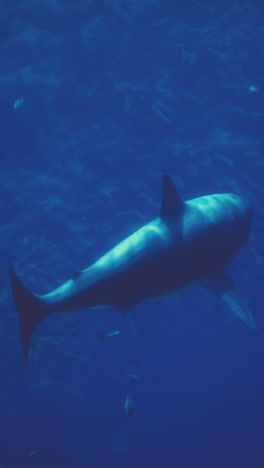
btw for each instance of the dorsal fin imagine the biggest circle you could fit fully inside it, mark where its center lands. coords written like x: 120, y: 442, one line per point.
x: 172, y: 202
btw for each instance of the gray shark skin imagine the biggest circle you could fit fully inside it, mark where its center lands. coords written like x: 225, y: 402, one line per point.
x: 190, y: 242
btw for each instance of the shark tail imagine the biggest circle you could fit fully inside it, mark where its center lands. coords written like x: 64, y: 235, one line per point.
x: 30, y: 307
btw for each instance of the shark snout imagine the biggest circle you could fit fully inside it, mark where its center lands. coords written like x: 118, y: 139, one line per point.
x: 240, y: 205
x: 245, y: 208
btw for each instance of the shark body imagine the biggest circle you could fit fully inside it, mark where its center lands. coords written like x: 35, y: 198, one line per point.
x: 190, y: 242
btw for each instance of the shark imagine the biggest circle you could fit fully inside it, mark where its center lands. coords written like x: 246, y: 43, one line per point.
x: 189, y: 243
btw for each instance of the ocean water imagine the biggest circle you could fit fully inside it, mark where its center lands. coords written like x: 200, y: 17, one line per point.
x: 98, y: 99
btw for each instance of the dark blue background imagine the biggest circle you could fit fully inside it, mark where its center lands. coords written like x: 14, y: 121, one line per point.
x: 117, y: 92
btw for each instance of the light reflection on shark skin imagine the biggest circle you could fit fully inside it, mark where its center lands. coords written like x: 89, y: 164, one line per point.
x: 190, y: 242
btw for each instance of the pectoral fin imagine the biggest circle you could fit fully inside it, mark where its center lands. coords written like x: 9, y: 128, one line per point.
x: 223, y: 286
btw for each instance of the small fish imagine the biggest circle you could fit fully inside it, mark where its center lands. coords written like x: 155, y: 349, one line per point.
x: 132, y: 377
x: 33, y: 452
x: 111, y: 334
x: 19, y: 103
x: 253, y: 89
x: 129, y: 407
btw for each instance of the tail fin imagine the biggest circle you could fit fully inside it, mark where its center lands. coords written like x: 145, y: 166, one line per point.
x: 30, y: 309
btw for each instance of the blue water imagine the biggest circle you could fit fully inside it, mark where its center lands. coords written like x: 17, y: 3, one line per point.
x: 116, y: 93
